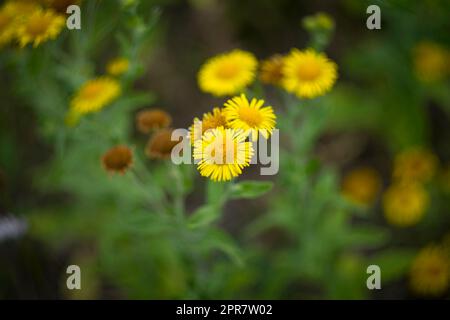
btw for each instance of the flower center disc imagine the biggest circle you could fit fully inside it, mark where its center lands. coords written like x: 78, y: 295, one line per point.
x: 308, y: 72
x: 227, y: 71
x: 250, y: 116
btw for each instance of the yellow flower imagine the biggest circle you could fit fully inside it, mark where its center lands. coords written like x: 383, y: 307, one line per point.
x: 250, y: 116
x: 361, y: 185
x: 308, y: 74
x: 95, y: 95
x: 415, y: 164
x: 21, y: 8
x: 430, y: 271
x: 40, y: 26
x: 222, y: 153
x: 228, y: 73
x: 209, y: 121
x: 405, y: 204
x: 118, y: 66
x: 431, y: 62
x: 271, y: 71
x: 7, y: 27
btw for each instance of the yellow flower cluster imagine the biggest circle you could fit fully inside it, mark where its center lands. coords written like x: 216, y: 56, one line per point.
x: 221, y: 138
x: 430, y: 271
x: 307, y: 74
x: 27, y: 22
x: 406, y: 200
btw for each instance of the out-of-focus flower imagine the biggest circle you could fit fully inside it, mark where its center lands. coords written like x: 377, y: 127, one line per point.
x: 308, y: 74
x: 94, y: 95
x: 319, y: 22
x: 222, y: 153
x: 152, y: 119
x: 21, y: 8
x: 40, y: 26
x: 209, y: 121
x: 415, y: 164
x: 118, y: 159
x: 271, y: 70
x: 7, y: 27
x: 250, y: 116
x: 430, y: 271
x: 118, y: 66
x: 160, y: 145
x: 405, y: 203
x: 228, y: 73
x: 431, y: 62
x: 361, y: 185
x: 61, y: 5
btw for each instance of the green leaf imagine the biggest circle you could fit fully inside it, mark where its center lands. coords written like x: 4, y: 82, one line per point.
x: 219, y: 240
x: 203, y: 216
x: 366, y: 236
x: 250, y: 189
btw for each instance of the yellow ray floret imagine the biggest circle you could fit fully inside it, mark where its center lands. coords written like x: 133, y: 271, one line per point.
x: 209, y: 121
x: 250, y: 116
x: 405, y: 203
x: 40, y: 26
x: 95, y: 95
x: 308, y: 74
x: 228, y: 73
x: 222, y: 153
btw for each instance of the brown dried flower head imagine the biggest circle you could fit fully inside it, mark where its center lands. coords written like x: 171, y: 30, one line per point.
x: 152, y: 119
x: 160, y: 144
x: 271, y: 71
x: 118, y: 159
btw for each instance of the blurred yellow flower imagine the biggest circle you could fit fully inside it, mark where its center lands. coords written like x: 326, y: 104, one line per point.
x: 405, y: 203
x: 431, y: 61
x: 250, y: 116
x: 415, y: 164
x: 40, y: 26
x: 222, y: 153
x: 118, y: 66
x: 308, y: 74
x: 228, y: 73
x: 209, y: 121
x: 7, y: 27
x: 271, y: 70
x: 151, y: 119
x: 430, y: 271
x: 95, y: 95
x: 361, y: 185
x: 21, y: 8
